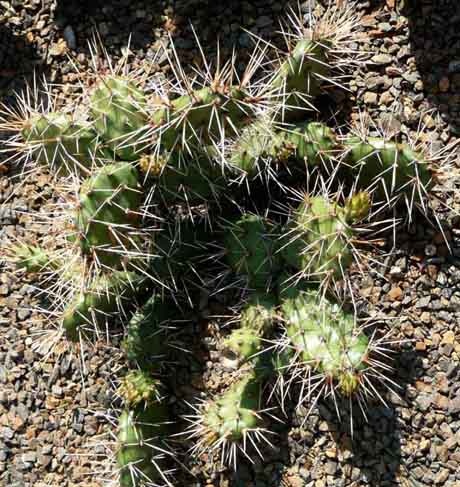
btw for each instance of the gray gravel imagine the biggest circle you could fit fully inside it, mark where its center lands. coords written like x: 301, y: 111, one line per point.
x: 50, y: 410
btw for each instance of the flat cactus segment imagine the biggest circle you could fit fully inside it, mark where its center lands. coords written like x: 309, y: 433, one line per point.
x: 255, y: 143
x: 250, y: 249
x: 145, y: 341
x: 299, y: 77
x: 234, y: 414
x: 327, y: 339
x: 118, y: 108
x: 307, y: 144
x: 108, y: 209
x: 201, y: 116
x: 257, y: 318
x: 92, y: 307
x: 312, y: 142
x: 140, y: 449
x: 317, y: 239
x: 139, y: 387
x: 390, y: 169
x: 55, y: 140
x: 192, y: 182
x: 301, y: 71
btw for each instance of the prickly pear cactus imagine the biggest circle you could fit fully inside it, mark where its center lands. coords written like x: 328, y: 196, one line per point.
x: 108, y: 211
x: 145, y: 343
x: 326, y: 339
x: 141, y: 452
x: 203, y: 115
x: 250, y: 250
x: 55, y: 140
x: 93, y: 306
x: 300, y: 76
x: 308, y: 144
x: 389, y: 170
x: 317, y: 240
x: 118, y: 108
x: 257, y: 318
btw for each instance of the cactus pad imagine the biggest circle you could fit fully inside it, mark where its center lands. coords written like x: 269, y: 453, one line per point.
x: 250, y: 250
x: 327, y: 339
x: 118, y: 108
x: 108, y: 210
x: 317, y: 239
x: 390, y: 169
x: 256, y: 320
x: 56, y: 141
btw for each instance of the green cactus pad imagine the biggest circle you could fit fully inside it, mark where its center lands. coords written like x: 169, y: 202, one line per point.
x: 256, y: 320
x: 140, y: 432
x: 317, y: 239
x: 307, y: 144
x: 250, y: 250
x: 300, y: 77
x: 145, y: 341
x: 312, y: 143
x: 118, y: 108
x: 326, y: 338
x: 201, y: 116
x: 235, y: 412
x: 92, y: 306
x: 139, y: 387
x: 391, y: 169
x: 56, y: 141
x: 109, y: 202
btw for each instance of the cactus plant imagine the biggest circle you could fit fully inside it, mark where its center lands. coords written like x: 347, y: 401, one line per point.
x: 327, y: 340
x: 93, y: 305
x: 233, y: 419
x: 250, y: 250
x: 256, y: 319
x: 118, y: 108
x: 141, y: 430
x: 146, y: 341
x: 317, y: 239
x: 308, y: 144
x: 390, y: 171
x: 107, y: 212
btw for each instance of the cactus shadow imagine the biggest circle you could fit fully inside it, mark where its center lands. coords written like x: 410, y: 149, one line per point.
x: 372, y: 453
x: 435, y: 45
x: 434, y: 42
x: 144, y: 22
x: 18, y: 60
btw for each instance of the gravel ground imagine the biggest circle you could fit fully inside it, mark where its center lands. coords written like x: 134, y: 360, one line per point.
x: 51, y: 408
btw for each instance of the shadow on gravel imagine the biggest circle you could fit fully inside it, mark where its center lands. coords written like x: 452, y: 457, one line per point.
x: 18, y: 59
x: 146, y: 21
x: 435, y: 43
x: 372, y: 454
